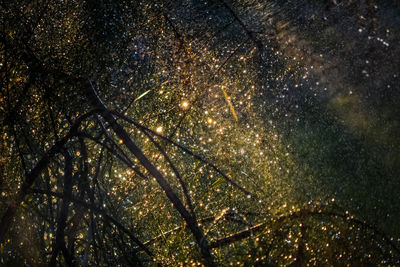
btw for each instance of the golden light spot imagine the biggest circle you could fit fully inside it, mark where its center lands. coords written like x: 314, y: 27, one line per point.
x: 185, y: 104
x: 159, y: 129
x: 120, y: 141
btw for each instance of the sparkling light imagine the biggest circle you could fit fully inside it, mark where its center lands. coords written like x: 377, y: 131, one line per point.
x: 185, y: 104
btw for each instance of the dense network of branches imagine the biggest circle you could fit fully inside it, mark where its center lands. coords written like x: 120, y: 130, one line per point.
x: 197, y: 133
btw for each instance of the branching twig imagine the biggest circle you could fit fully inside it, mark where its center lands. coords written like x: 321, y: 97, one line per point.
x: 175, y: 170
x: 30, y: 177
x: 148, y: 165
x: 63, y: 215
x: 249, y: 33
x: 301, y: 214
x: 125, y: 159
x: 102, y: 213
x: 188, y: 151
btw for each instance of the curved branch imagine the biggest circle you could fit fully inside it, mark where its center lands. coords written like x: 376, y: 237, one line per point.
x: 188, y: 151
x: 249, y: 33
x: 300, y: 214
x: 225, y: 215
x: 148, y: 165
x: 30, y: 178
x: 122, y: 157
x: 63, y: 215
x: 175, y: 170
x: 98, y: 211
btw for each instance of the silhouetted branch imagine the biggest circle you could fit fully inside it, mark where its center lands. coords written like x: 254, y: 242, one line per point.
x: 30, y: 178
x: 83, y: 185
x: 225, y: 215
x: 175, y: 170
x: 238, y: 236
x: 96, y: 210
x: 148, y: 165
x: 300, y: 247
x: 188, y: 151
x: 63, y: 214
x: 302, y: 214
x: 249, y: 33
x: 124, y: 158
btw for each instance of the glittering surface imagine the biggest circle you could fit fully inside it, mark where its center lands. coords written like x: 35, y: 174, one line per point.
x: 276, y: 123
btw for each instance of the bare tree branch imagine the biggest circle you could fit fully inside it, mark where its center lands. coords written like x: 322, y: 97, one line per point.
x: 63, y: 214
x: 98, y: 211
x: 30, y: 178
x: 148, y: 165
x: 124, y: 158
x: 188, y: 151
x: 175, y: 170
x: 302, y: 214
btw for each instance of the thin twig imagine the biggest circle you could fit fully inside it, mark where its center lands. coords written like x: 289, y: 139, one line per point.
x: 63, y: 214
x: 175, y: 170
x: 98, y: 211
x: 188, y: 151
x: 123, y: 158
x: 149, y: 166
x: 30, y: 177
